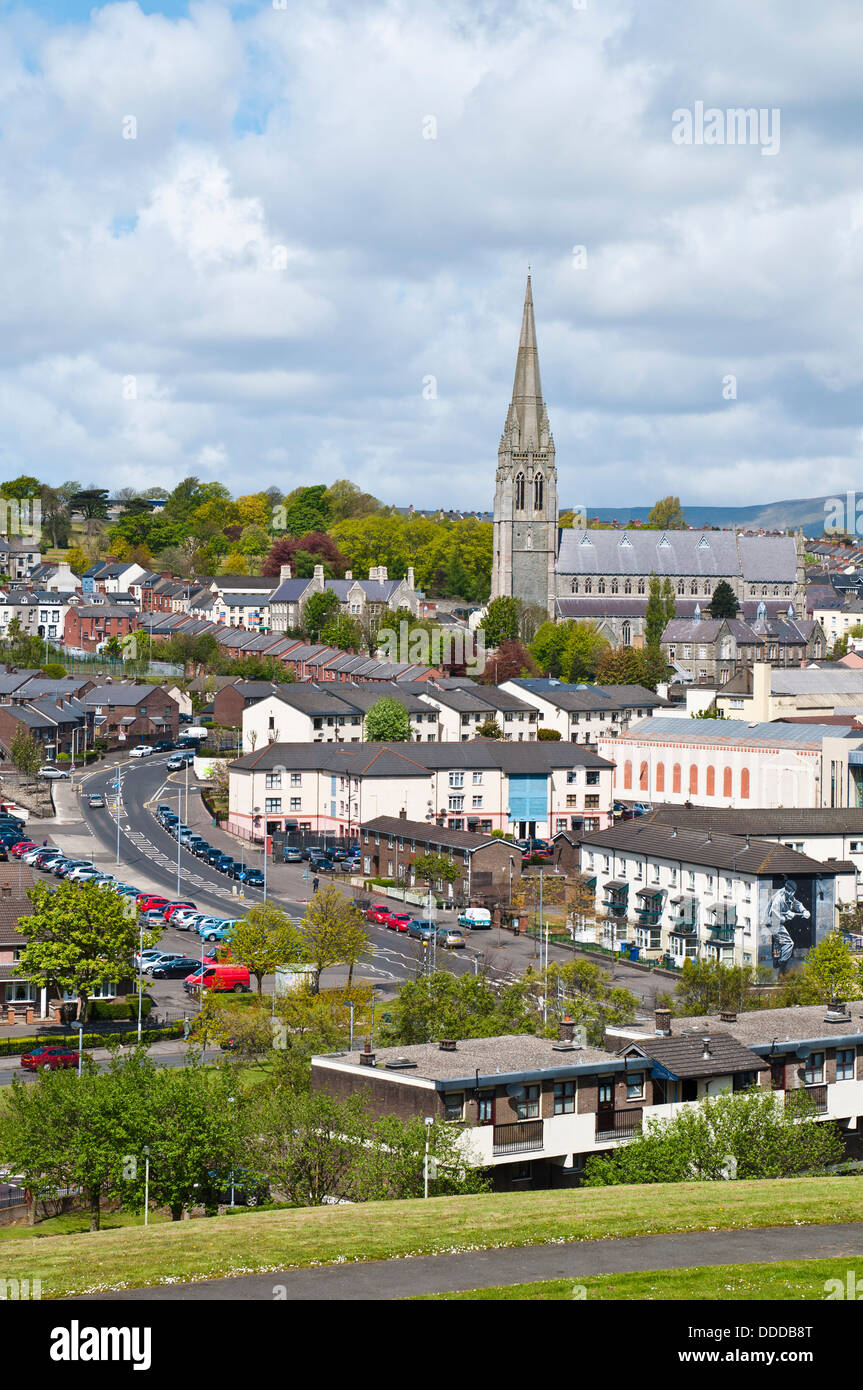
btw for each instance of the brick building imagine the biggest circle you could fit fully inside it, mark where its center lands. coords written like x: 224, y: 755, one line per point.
x: 90, y: 626
x: 389, y: 845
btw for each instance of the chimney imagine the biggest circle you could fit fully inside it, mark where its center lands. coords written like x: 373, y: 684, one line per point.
x: 349, y: 574
x: 566, y: 1029
x: 5, y: 890
x: 382, y: 573
x: 367, y: 1057
x: 709, y: 835
x: 663, y: 1023
x: 447, y: 1045
x: 319, y: 573
x: 673, y: 832
x: 727, y: 1016
x: 284, y: 572
x: 410, y: 577
x: 705, y: 1049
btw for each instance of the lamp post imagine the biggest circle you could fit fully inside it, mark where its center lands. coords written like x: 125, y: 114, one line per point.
x: 180, y: 821
x: 119, y: 805
x: 80, y: 1028
x: 428, y: 1124
x: 146, y: 1184
x: 351, y: 1007
x: 140, y: 969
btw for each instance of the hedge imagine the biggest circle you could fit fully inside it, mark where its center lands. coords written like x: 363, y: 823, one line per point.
x: 129, y: 1009
x: 13, y: 1047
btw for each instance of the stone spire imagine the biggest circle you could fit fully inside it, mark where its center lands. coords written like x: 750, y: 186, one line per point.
x: 527, y: 412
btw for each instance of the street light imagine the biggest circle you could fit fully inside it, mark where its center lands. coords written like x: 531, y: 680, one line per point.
x: 429, y: 1121
x: 80, y: 1028
x: 146, y: 1184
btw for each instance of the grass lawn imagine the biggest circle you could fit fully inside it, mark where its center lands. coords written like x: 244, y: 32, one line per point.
x: 261, y: 1241
x: 787, y: 1280
x: 73, y: 1223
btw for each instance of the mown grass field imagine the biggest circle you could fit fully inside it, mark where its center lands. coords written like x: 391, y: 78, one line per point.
x: 785, y: 1281
x: 132, y: 1256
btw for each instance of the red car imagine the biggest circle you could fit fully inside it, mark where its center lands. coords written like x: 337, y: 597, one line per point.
x: 22, y: 847
x: 378, y: 912
x: 175, y: 907
x: 147, y: 900
x: 50, y: 1058
x: 398, y: 921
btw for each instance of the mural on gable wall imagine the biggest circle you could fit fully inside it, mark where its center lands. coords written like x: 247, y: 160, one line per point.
x: 794, y: 914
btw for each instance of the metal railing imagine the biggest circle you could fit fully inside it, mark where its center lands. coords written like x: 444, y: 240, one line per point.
x: 818, y: 1096
x: 618, y: 1124
x: 518, y: 1138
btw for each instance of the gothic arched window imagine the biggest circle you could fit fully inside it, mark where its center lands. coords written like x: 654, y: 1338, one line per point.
x: 627, y: 586
x: 575, y: 586
x: 626, y: 634
x: 519, y: 492
x: 588, y: 586
x: 538, y: 493
x: 641, y: 586
x: 681, y: 586
x: 600, y: 586
x: 614, y: 586
x: 693, y: 588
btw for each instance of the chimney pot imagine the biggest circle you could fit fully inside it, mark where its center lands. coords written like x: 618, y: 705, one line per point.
x: 367, y: 1057
x: 566, y: 1029
x: 728, y: 1016
x: 663, y: 1023
x: 447, y: 1045
x: 705, y: 1046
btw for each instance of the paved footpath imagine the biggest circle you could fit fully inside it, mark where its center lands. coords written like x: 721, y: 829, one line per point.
x: 430, y: 1274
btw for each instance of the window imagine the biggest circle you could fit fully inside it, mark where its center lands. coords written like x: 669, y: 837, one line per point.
x: 606, y: 1092
x: 845, y: 1064
x: 485, y: 1107
x: 635, y: 1085
x: 456, y: 779
x: 456, y: 803
x: 477, y: 779
x: 476, y: 803
x: 564, y: 1097
x: 274, y: 779
x: 454, y: 1105
x: 273, y: 804
x: 296, y: 803
x: 538, y: 493
x: 528, y: 1109
x: 296, y: 780
x: 814, y: 1072
x: 591, y: 777
x: 519, y: 492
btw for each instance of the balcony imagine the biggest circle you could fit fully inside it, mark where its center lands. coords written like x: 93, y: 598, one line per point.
x: 818, y: 1096
x: 518, y: 1138
x: 618, y: 1124
x: 721, y: 934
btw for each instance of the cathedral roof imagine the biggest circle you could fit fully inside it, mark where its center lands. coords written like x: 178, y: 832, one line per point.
x: 709, y: 554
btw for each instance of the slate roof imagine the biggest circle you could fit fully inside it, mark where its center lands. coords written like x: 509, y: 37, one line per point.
x: 764, y: 820
x: 420, y: 759
x: 684, y: 1056
x: 590, y: 697
x: 713, y: 849
x: 661, y: 729
x: 707, y: 554
x: 430, y: 833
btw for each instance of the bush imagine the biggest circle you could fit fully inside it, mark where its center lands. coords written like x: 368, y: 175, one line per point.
x: 63, y: 758
x: 90, y: 756
x: 548, y: 735
x: 13, y: 1047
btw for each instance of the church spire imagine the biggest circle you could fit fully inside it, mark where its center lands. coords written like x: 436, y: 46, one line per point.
x: 527, y: 401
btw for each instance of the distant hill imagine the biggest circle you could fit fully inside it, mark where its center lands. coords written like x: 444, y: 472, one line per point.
x: 808, y: 512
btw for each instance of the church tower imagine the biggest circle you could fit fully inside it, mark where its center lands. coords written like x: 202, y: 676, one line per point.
x: 525, y: 498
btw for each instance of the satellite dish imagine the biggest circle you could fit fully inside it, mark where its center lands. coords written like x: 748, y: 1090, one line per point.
x: 515, y: 1091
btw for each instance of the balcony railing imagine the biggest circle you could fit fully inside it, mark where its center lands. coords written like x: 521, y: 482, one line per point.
x: 818, y: 1096
x: 518, y: 1138
x: 721, y: 933
x: 618, y: 1124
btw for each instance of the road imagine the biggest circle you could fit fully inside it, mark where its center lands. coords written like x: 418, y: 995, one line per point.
x: 148, y: 858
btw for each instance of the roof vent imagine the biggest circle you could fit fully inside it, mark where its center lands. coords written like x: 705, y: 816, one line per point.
x: 447, y: 1045
x: 705, y: 1048
x: 837, y: 1013
x: 727, y: 1016
x: 401, y: 1064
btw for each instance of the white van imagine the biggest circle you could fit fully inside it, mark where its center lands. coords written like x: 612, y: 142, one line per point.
x: 476, y: 919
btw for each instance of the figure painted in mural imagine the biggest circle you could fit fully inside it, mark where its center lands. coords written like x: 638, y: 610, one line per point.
x: 782, y: 908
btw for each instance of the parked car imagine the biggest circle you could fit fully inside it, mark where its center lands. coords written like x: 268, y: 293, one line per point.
x: 163, y: 809
x: 420, y: 928
x: 475, y: 919
x: 448, y: 936
x: 186, y: 921
x: 147, y: 956
x: 219, y: 979
x: 148, y: 900
x: 398, y: 921
x: 176, y: 969
x: 202, y: 849
x: 641, y: 808
x: 141, y: 750
x: 225, y: 863
x: 84, y: 874
x: 163, y: 745
x: 378, y: 912
x: 165, y: 958
x: 152, y: 915
x: 50, y: 1058
x: 254, y: 878
x: 54, y: 773
x: 293, y: 856
x: 171, y: 908
x: 95, y: 800
x: 21, y: 847
x: 64, y: 870
x: 223, y: 932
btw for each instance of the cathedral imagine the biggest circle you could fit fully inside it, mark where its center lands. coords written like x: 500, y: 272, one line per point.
x: 602, y: 573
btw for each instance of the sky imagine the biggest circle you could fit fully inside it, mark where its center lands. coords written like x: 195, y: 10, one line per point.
x: 286, y: 242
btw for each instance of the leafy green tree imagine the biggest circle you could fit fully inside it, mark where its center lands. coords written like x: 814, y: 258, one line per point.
x: 91, y: 502
x: 18, y: 488
x: 78, y: 938
x: 582, y: 652
x: 76, y: 558
x: 548, y: 646
x: 343, y: 631
x: 388, y: 721
x: 500, y: 623
x: 304, y: 510
x: 545, y: 735
x: 435, y: 868
x: 489, y: 728
x: 344, y: 499
x: 334, y: 932
x: 254, y: 540
x: 654, y: 619
x: 24, y: 752
x: 321, y: 609
x: 669, y: 601
x: 724, y: 603
x: 264, y: 939
x: 707, y: 986
x: 832, y: 971
x: 621, y: 666
x: 667, y: 515
x: 764, y: 1137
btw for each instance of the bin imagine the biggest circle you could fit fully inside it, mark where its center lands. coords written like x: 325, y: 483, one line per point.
x: 633, y: 953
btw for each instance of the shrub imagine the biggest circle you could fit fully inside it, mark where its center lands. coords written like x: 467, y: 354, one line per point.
x: 100, y: 1008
